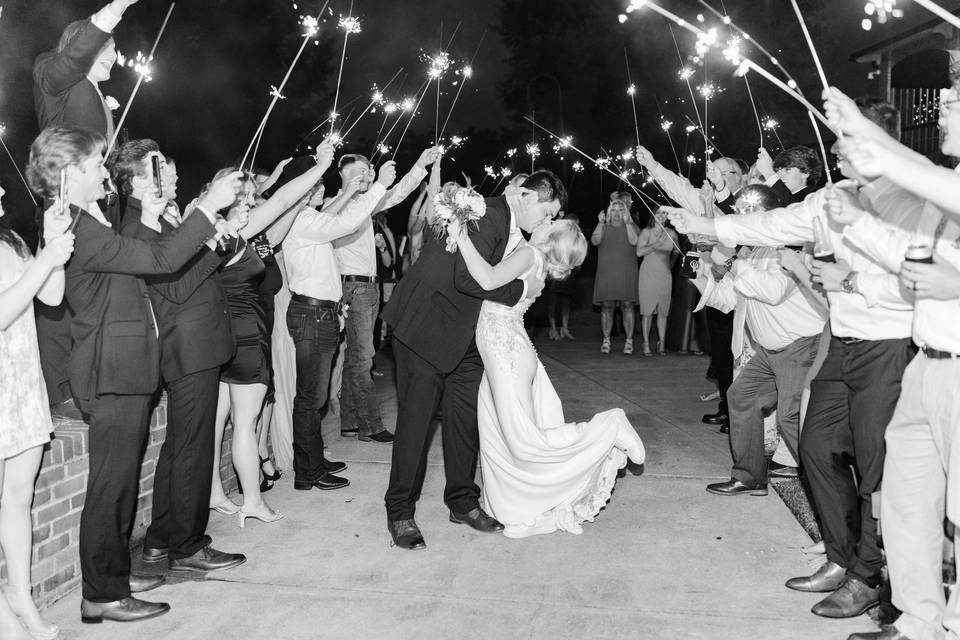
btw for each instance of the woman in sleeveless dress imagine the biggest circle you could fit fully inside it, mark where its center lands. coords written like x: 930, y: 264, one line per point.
x: 616, y: 281
x: 656, y: 245
x: 540, y: 472
x: 25, y: 423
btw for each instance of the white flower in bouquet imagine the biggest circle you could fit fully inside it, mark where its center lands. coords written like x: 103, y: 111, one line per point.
x: 456, y: 203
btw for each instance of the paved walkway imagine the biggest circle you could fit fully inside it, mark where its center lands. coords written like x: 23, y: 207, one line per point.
x: 664, y: 560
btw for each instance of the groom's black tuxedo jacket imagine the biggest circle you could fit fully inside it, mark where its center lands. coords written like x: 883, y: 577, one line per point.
x: 435, y: 307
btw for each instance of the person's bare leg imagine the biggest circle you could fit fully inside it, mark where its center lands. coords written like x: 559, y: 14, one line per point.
x: 217, y: 495
x: 662, y: 330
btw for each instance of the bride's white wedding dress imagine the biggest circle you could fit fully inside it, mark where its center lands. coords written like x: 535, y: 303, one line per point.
x: 540, y: 473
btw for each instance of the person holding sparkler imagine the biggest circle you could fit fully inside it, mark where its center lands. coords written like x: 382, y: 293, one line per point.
x: 615, y: 283
x: 794, y: 174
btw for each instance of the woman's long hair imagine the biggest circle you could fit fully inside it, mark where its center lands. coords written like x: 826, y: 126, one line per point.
x: 9, y: 237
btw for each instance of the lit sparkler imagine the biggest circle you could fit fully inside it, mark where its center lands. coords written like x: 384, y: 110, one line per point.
x: 577, y: 166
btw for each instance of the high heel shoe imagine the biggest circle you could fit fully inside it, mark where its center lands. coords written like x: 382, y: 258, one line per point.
x: 273, y: 516
x: 228, y: 507
x: 22, y: 605
x: 273, y: 476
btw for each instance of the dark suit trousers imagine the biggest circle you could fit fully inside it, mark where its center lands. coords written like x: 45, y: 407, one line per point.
x: 851, y: 401
x: 181, y: 485
x: 420, y: 389
x: 118, y: 432
x: 720, y: 328
x: 55, y: 342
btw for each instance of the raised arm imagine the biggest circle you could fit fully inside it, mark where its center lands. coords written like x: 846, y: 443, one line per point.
x: 487, y: 276
x: 48, y: 263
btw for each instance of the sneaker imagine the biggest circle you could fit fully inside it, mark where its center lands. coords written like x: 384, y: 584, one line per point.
x: 605, y: 346
x: 628, y: 347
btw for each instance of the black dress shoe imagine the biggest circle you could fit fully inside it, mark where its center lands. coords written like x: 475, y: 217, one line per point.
x: 477, y: 519
x: 326, y: 482
x: 890, y: 633
x: 852, y: 599
x: 406, y: 534
x: 381, y: 437
x: 151, y: 555
x: 725, y: 427
x: 777, y: 470
x: 715, y: 418
x: 126, y: 610
x: 734, y: 487
x: 329, y: 466
x: 139, y: 584
x: 66, y: 410
x: 208, y: 559
x: 827, y: 578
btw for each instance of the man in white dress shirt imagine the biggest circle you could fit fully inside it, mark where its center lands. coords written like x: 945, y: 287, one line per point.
x: 853, y: 396
x: 314, y: 315
x: 356, y: 254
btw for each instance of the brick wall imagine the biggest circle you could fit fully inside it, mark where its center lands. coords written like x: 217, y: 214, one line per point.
x: 58, y: 500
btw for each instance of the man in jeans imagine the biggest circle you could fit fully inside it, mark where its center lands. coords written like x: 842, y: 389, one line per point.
x: 356, y: 255
x: 313, y: 316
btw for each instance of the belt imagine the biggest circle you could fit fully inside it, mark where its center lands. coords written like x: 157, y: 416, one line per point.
x: 934, y: 354
x: 313, y: 302
x: 849, y: 340
x: 360, y: 278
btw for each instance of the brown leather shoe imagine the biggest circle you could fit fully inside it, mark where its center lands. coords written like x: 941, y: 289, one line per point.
x: 827, y: 578
x: 139, y: 584
x: 126, y: 610
x: 890, y: 633
x: 852, y: 599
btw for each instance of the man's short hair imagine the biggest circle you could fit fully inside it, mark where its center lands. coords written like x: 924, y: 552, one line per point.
x: 53, y: 150
x: 803, y: 158
x: 129, y: 162
x: 348, y: 159
x: 547, y: 185
x: 883, y: 114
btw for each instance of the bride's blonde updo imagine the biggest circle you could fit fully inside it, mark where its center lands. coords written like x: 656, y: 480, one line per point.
x: 564, y: 248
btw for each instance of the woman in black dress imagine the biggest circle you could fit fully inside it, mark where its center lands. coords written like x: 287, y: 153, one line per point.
x: 244, y: 380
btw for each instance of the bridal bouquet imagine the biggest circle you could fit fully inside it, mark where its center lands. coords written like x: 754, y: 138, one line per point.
x: 462, y: 204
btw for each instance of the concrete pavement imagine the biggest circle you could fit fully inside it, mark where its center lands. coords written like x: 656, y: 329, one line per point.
x: 664, y: 560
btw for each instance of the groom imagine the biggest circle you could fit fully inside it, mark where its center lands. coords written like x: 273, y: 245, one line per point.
x: 434, y: 312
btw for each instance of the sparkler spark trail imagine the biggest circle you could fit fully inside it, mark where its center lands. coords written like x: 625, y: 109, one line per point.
x: 376, y: 98
x: 426, y: 86
x: 349, y: 25
x: 465, y: 73
x: 3, y: 129
x: 136, y: 87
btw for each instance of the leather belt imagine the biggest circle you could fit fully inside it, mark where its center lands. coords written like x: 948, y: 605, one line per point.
x: 935, y: 354
x: 849, y: 340
x: 370, y: 279
x: 313, y: 302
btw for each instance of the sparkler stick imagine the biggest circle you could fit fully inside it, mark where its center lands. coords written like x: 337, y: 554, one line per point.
x: 642, y: 196
x: 136, y: 87
x: 680, y: 22
x: 823, y: 149
x: 312, y: 25
x: 754, y: 105
x: 813, y: 52
x: 631, y: 90
x: 350, y: 25
x: 747, y: 65
x: 376, y: 98
x: 403, y: 107
x: 665, y: 125
x: 939, y: 11
x: 710, y: 141
x: 686, y: 77
x: 466, y: 72
x: 412, y: 114
x: 17, y: 168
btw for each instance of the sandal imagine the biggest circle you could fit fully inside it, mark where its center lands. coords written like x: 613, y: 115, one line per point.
x: 628, y: 346
x: 228, y: 507
x: 605, y: 346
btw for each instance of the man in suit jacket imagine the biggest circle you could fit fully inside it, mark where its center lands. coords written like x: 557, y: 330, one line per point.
x: 434, y: 312
x: 195, y: 339
x: 794, y: 174
x: 115, y: 360
x: 66, y: 94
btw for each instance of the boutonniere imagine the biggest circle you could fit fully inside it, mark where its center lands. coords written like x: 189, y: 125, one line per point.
x: 111, y: 103
x: 460, y: 203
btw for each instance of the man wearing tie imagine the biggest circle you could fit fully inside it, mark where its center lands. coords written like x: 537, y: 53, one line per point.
x: 66, y: 94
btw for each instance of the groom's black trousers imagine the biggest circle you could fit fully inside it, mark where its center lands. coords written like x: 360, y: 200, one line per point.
x: 420, y: 389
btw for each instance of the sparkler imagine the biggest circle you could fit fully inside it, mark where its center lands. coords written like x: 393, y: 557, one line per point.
x: 685, y: 73
x: 349, y: 24
x: 3, y: 129
x: 142, y: 74
x: 465, y: 74
x: 311, y: 25
x: 375, y: 99
x: 749, y: 65
x: 823, y: 149
x: 816, y: 58
x: 413, y: 113
x: 772, y: 125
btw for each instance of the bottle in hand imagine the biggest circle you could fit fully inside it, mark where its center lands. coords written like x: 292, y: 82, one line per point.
x: 822, y: 250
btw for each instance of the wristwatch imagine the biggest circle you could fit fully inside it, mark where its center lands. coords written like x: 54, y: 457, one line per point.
x: 849, y: 284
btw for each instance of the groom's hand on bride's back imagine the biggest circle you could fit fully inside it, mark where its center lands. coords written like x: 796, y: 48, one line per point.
x: 534, y: 285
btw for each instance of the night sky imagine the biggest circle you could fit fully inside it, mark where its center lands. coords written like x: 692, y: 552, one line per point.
x: 218, y: 59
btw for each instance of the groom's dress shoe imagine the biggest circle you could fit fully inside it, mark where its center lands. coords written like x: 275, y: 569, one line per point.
x: 827, y: 578
x: 326, y: 482
x: 207, y: 559
x: 890, y: 633
x: 406, y: 534
x: 733, y: 487
x: 850, y: 600
x: 126, y: 610
x: 139, y: 584
x: 477, y: 519
x: 715, y: 418
x: 151, y: 555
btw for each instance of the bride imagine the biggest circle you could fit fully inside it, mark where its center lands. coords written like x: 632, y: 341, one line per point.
x: 540, y: 473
